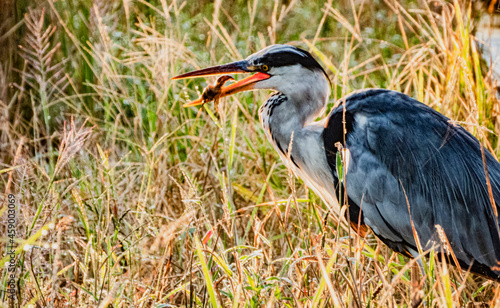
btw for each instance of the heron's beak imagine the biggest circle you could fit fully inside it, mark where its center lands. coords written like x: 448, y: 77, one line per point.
x: 245, y: 84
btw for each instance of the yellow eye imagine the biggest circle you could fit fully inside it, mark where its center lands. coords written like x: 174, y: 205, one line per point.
x: 264, y: 67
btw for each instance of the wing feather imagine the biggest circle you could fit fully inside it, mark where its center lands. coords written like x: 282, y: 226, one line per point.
x: 401, y: 148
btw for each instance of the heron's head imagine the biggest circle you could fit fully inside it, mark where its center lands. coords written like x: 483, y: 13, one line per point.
x: 284, y: 68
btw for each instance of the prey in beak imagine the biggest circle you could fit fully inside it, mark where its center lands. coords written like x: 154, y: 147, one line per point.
x: 213, y: 93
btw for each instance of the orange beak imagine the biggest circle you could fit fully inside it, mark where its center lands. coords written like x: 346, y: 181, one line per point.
x: 245, y: 84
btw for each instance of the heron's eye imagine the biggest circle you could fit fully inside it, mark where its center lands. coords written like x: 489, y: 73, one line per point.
x: 264, y: 67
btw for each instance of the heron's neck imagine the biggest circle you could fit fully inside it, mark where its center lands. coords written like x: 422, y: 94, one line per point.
x: 281, y: 116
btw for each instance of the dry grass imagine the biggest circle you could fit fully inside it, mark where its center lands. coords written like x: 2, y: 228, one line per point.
x: 126, y: 199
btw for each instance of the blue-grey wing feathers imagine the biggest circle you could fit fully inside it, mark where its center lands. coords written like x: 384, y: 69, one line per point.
x: 406, y: 155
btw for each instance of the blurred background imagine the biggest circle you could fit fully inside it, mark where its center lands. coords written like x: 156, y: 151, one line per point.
x: 127, y: 199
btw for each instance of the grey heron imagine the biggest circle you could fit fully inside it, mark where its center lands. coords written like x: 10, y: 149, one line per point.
x: 410, y: 168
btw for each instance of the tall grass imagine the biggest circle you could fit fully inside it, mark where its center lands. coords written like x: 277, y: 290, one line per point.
x: 126, y: 199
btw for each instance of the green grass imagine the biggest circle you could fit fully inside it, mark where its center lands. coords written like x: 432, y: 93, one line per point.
x: 126, y: 199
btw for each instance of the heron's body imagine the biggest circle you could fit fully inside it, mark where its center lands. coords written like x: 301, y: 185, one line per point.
x: 442, y: 175
x: 408, y: 163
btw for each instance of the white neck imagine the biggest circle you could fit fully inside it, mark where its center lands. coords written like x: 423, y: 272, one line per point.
x: 281, y: 115
x: 300, y: 100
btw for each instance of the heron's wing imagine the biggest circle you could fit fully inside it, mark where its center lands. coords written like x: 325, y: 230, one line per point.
x: 404, y: 155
